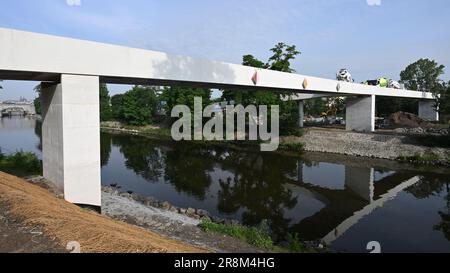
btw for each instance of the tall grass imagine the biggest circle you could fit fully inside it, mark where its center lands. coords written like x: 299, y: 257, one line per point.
x: 251, y: 235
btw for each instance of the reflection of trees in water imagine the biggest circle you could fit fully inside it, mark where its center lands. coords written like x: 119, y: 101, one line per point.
x: 444, y: 225
x: 38, y: 133
x: 185, y: 166
x: 141, y: 155
x: 188, y: 167
x: 105, y: 148
x: 257, y: 186
x: 439, y: 186
x: 430, y: 185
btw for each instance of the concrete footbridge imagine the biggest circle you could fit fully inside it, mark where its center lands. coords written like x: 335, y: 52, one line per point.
x: 71, y: 71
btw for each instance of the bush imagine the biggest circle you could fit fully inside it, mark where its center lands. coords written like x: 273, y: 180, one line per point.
x: 20, y: 164
x: 251, y: 235
x: 294, y: 243
x: 292, y: 147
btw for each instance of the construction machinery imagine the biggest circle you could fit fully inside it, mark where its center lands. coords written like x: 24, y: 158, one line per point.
x: 334, y: 105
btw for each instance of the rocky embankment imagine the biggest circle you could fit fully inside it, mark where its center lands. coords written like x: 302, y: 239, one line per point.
x: 176, y: 223
x: 391, y: 146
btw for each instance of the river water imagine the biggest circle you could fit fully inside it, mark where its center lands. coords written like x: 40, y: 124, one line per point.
x: 344, y: 201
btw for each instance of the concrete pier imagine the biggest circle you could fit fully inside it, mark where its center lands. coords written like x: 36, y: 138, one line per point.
x: 427, y: 110
x: 71, y: 137
x: 360, y: 114
x: 301, y: 113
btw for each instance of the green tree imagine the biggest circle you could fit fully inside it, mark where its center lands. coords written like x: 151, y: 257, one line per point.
x: 442, y: 97
x: 37, y: 100
x: 117, y: 107
x: 139, y: 105
x: 282, y: 56
x: 177, y: 95
x: 388, y: 105
x: 105, y: 103
x: 423, y: 75
x: 280, y: 61
x: 315, y: 107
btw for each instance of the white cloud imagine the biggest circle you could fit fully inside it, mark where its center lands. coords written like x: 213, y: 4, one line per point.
x: 73, y: 2
x: 374, y: 2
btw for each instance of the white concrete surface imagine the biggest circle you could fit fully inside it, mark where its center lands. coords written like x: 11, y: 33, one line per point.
x: 71, y: 138
x: 305, y: 96
x: 360, y: 114
x: 25, y: 52
x: 427, y: 110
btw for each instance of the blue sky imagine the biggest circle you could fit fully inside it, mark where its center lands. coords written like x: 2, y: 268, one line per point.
x: 373, y: 40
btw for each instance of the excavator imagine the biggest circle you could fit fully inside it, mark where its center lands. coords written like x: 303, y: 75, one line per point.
x: 326, y: 114
x: 333, y: 105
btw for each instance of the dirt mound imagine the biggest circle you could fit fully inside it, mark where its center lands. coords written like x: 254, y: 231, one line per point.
x: 408, y: 120
x: 66, y: 222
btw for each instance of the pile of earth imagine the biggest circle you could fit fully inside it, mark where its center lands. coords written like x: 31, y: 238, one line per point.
x: 408, y: 123
x: 408, y: 120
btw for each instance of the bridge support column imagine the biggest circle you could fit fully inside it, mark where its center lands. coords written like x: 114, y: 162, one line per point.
x: 71, y: 138
x: 301, y: 113
x: 360, y: 114
x: 427, y: 110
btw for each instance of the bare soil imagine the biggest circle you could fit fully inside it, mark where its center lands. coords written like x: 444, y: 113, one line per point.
x: 32, y: 219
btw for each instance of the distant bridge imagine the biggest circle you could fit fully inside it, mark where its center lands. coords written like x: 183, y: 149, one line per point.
x: 12, y: 109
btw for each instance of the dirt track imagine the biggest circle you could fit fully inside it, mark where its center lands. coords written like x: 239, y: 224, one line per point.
x: 29, y: 211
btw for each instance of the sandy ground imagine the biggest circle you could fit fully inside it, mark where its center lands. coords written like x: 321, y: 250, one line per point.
x: 33, y: 220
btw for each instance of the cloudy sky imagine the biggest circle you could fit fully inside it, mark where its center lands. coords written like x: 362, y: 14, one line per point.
x: 370, y: 37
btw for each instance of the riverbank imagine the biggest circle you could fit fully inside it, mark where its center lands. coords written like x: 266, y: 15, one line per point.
x: 56, y: 222
x: 164, y: 219
x: 392, y: 145
x: 383, y: 145
x: 34, y: 218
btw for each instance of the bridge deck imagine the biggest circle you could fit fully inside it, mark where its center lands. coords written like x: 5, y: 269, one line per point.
x: 32, y: 56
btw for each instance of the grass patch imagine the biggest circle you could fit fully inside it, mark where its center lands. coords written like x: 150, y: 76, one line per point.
x: 293, y: 147
x: 423, y: 159
x: 297, y: 132
x: 251, y: 235
x: 20, y: 164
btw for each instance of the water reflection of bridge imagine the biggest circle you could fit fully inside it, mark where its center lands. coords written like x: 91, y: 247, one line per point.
x: 345, y: 207
x: 317, y: 195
